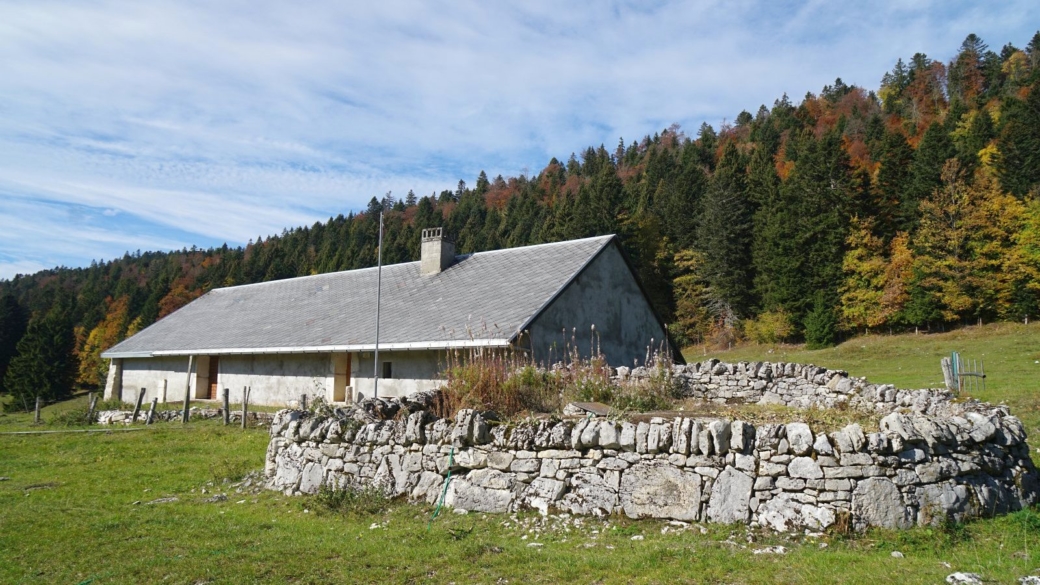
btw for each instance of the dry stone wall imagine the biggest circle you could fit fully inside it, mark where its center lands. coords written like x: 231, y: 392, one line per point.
x: 932, y: 458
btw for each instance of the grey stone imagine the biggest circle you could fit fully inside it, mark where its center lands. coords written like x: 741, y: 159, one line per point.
x: 719, y: 431
x: 944, y: 501
x: 500, y: 460
x: 576, y: 433
x: 876, y: 501
x: 628, y: 436
x: 590, y: 434
x: 642, y: 430
x: 589, y: 494
x: 467, y: 496
x: 742, y: 436
x: 848, y: 459
x: 805, y: 468
x: 653, y: 490
x: 789, y: 484
x: 822, y: 445
x: 784, y: 513
x: 983, y: 428
x: 959, y: 578
x: 549, y: 490
x: 310, y: 479
x: 856, y: 437
x: 526, y: 465
x: 730, y: 497
x: 902, y: 425
x: 608, y: 435
x: 800, y: 438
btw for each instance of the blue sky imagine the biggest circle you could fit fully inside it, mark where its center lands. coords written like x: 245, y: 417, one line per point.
x: 166, y: 124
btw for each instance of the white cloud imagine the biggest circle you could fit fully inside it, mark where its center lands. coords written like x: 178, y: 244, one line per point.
x: 230, y: 119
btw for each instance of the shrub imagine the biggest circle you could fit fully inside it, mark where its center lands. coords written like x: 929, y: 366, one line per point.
x: 76, y: 417
x: 770, y: 327
x: 820, y: 326
x: 353, y: 501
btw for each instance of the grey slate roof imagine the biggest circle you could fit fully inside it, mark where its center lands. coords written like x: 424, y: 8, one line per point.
x: 483, y: 298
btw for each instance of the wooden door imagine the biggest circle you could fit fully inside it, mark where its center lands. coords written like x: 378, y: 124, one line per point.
x: 213, y: 363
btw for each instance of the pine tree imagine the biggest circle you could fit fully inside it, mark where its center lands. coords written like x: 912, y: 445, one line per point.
x: 932, y: 153
x: 1019, y: 161
x: 13, y: 322
x: 45, y: 365
x: 726, y: 234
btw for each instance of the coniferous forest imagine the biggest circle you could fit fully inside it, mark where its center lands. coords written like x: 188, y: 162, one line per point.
x: 912, y: 205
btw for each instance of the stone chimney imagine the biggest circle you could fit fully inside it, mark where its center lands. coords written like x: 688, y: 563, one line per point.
x: 438, y: 252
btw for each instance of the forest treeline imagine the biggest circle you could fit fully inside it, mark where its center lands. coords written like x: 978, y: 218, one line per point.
x: 913, y: 205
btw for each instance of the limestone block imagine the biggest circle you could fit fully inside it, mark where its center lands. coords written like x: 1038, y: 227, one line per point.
x: 681, y: 436
x: 590, y: 434
x: 642, y: 430
x: 695, y: 433
x: 500, y: 460
x: 877, y: 501
x: 730, y: 497
x: 913, y: 456
x: 310, y: 479
x: 471, y: 459
x: 784, y: 513
x: 491, y: 479
x: 705, y: 444
x: 576, y: 433
x: 655, y: 490
x: 428, y: 487
x: 856, y: 437
x: 653, y: 437
x: 744, y: 462
x: 856, y: 459
x: 549, y: 467
x: 822, y: 445
x: 771, y: 469
x: 608, y: 435
x: 549, y: 490
x: 462, y: 432
x: 526, y: 465
x: 804, y: 468
x: 800, y: 437
x: 465, y: 495
x: 944, y: 501
x: 589, y: 494
x: 790, y: 485
x: 983, y: 428
x: 902, y: 425
x: 742, y: 436
x: 628, y: 437
x: 720, y: 432
x: 560, y: 435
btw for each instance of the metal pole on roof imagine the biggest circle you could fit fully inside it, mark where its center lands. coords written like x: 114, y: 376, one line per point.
x: 379, y: 292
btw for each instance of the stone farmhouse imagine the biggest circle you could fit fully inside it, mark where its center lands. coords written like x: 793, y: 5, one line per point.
x: 315, y: 335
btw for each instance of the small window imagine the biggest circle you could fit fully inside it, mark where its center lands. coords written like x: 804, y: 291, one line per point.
x: 387, y: 371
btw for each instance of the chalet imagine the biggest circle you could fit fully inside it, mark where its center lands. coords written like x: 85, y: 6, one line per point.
x: 316, y: 335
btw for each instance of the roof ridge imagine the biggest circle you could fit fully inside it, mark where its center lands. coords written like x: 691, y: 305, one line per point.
x: 470, y: 255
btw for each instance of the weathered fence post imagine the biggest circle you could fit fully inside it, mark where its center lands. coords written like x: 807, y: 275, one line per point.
x: 137, y: 406
x: 36, y: 416
x: 92, y: 401
x: 165, y: 388
x: 187, y: 390
x: 151, y: 411
x: 303, y: 401
x: 227, y: 406
x: 245, y: 404
x: 947, y: 370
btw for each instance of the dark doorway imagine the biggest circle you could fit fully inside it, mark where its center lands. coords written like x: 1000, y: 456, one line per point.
x: 214, y: 362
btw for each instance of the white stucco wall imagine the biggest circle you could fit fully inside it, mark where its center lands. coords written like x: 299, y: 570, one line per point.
x: 150, y: 373
x: 413, y: 371
x: 277, y: 379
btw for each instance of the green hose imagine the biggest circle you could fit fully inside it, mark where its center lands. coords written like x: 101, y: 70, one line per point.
x: 444, y: 492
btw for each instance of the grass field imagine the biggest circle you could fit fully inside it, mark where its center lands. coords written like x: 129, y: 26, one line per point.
x: 1010, y: 351
x: 75, y: 508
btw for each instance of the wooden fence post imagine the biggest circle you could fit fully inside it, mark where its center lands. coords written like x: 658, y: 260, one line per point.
x: 245, y: 405
x: 36, y: 417
x: 187, y: 390
x: 227, y: 406
x: 90, y: 410
x: 151, y: 411
x: 165, y: 388
x: 303, y: 401
x: 137, y: 406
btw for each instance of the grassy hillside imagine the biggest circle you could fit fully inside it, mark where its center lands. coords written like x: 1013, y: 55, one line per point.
x: 1010, y: 351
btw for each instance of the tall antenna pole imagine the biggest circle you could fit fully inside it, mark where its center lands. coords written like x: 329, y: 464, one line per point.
x: 379, y: 292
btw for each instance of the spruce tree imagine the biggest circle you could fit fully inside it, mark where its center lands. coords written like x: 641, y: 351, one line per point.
x: 45, y: 366
x: 12, y: 327
x: 926, y: 173
x: 726, y: 234
x: 1019, y: 146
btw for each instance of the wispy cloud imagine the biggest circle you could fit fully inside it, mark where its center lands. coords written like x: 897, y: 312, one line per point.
x: 198, y: 124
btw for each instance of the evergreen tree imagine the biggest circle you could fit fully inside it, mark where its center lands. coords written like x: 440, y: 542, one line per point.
x: 1019, y: 161
x: 926, y: 173
x: 725, y: 233
x: 13, y: 322
x: 45, y: 365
